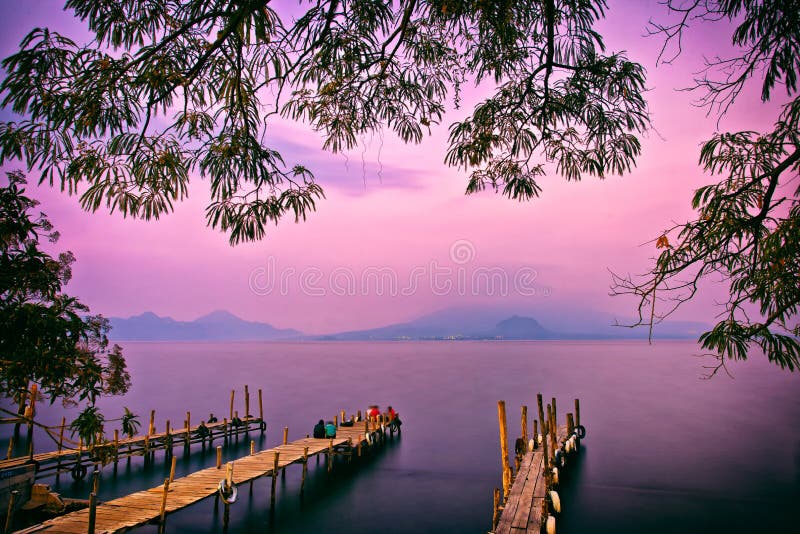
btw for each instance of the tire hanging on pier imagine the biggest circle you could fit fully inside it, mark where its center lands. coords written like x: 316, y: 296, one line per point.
x: 79, y: 472
x: 228, y: 494
x: 580, y: 431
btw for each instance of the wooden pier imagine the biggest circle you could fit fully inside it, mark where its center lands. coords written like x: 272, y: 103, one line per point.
x: 154, y: 504
x: 529, y: 501
x: 112, y: 449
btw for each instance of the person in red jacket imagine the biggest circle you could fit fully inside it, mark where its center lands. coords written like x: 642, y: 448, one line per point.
x: 373, y: 412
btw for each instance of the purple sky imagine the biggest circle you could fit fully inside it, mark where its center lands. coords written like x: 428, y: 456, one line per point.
x: 397, y: 214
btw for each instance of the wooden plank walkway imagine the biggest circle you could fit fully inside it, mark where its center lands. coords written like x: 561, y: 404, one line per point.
x: 526, y: 508
x: 139, y: 508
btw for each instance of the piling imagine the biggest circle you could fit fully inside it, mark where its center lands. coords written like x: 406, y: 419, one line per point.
x: 252, y: 447
x: 172, y: 469
x: 541, y: 415
x: 535, y: 433
x: 12, y: 501
x: 274, y: 477
x: 219, y: 456
x: 525, y: 425
x: 96, y: 480
x: 92, y: 512
x: 10, y: 452
x: 151, y: 429
x: 285, y: 435
x: 496, y: 514
x: 163, y: 511
x: 260, y: 407
x: 577, y: 412
x: 570, y: 424
x: 330, y: 455
x: 233, y: 394
x: 116, y: 446
x: 555, y: 415
x: 501, y: 416
x: 246, y: 401
x: 305, y: 470
x: 188, y: 426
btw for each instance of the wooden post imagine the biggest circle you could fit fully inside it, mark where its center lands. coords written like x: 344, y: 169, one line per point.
x: 10, y: 448
x: 188, y: 428
x: 501, y: 417
x: 555, y: 417
x: 233, y: 394
x: 92, y: 512
x: 285, y: 435
x: 219, y: 456
x: 96, y: 480
x: 336, y: 421
x: 260, y: 406
x: 61, y: 434
x: 246, y: 402
x: 525, y: 425
x: 225, y: 428
x: 546, y: 464
x: 229, y: 476
x: 116, y: 445
x: 305, y: 470
x: 330, y: 455
x: 274, y: 476
x: 32, y: 408
x: 10, y: 515
x: 359, y: 415
x: 163, y: 511
x: 570, y: 424
x: 146, y: 445
x: 343, y: 419
x: 358, y: 447
x: 496, y: 512
x: 552, y: 428
x: 541, y: 415
x: 172, y: 469
x: 577, y: 412
x: 252, y: 447
x: 535, y: 433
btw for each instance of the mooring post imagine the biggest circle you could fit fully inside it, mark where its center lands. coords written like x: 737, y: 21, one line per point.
x: 31, y: 415
x: 61, y: 435
x: 274, y: 477
x: 12, y: 501
x: 330, y: 455
x: 188, y: 428
x: 260, y: 407
x: 96, y: 480
x: 542, y: 428
x: 92, y: 512
x: 343, y: 419
x: 285, y: 435
x: 525, y: 425
x: 246, y: 402
x: 233, y: 394
x: 546, y: 464
x: 501, y: 417
x: 219, y: 456
x: 252, y: 447
x: 496, y: 510
x: 577, y: 412
x: 163, y: 511
x: 116, y: 447
x: 570, y: 424
x: 358, y: 447
x: 10, y: 452
x: 305, y: 470
x: 555, y: 418
x: 359, y: 415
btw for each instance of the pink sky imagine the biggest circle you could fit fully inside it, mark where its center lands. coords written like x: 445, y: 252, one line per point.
x: 569, y: 237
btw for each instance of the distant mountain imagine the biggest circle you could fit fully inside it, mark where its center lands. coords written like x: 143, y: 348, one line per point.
x: 216, y: 326
x: 518, y: 322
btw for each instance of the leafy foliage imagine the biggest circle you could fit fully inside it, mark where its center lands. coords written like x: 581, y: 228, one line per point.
x: 747, y: 229
x: 171, y: 88
x: 89, y: 426
x: 46, y: 336
x: 130, y: 423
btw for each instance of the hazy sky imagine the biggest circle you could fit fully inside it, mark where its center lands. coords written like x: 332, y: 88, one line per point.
x: 396, y: 237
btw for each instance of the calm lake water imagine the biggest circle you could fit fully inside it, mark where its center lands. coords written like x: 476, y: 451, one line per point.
x: 665, y: 450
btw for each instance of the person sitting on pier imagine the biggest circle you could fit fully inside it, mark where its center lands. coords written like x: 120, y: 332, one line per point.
x: 211, y: 418
x: 373, y: 412
x: 330, y: 430
x: 319, y: 429
x: 391, y: 414
x: 203, y: 431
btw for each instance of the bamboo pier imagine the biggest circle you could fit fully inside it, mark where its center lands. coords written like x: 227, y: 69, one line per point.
x: 529, y: 501
x: 154, y: 505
